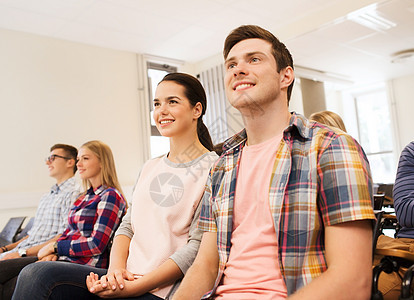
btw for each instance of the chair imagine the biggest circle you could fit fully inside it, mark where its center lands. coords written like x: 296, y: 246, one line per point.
x: 406, y: 293
x: 387, y: 190
x: 25, y: 230
x: 10, y: 230
x: 393, y: 259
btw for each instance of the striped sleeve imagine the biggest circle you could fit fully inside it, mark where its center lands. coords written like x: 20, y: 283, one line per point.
x: 404, y: 188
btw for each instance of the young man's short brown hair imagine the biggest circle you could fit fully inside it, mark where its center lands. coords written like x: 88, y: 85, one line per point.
x: 69, y: 150
x: 280, y: 52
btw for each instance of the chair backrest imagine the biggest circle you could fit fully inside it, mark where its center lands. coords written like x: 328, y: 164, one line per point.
x: 10, y: 230
x: 25, y: 230
x: 378, y: 201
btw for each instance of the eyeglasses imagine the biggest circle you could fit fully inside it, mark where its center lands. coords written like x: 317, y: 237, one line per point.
x: 52, y: 158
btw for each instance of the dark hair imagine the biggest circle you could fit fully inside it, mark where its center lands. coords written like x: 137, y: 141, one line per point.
x: 195, y: 93
x: 69, y: 150
x: 280, y: 52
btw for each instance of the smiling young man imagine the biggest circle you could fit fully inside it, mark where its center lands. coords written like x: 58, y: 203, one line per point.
x: 287, y: 208
x: 50, y: 220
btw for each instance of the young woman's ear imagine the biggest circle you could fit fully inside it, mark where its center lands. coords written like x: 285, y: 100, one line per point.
x: 197, y: 110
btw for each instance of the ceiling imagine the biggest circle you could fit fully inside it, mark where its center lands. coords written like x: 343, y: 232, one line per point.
x: 318, y: 32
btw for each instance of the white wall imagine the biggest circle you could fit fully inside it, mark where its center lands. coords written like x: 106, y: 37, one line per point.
x: 402, y: 93
x: 55, y: 91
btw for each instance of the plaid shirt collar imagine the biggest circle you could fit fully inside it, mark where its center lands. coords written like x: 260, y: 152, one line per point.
x: 97, y: 191
x: 68, y: 184
x: 297, y: 124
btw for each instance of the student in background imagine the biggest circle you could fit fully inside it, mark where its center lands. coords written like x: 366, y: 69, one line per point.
x: 158, y: 239
x: 50, y: 221
x: 403, y: 195
x: 287, y: 209
x: 92, y: 221
x: 328, y: 118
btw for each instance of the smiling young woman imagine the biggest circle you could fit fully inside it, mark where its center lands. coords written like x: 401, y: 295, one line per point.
x: 158, y: 238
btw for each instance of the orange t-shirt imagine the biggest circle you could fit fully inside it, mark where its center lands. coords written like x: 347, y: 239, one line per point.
x: 252, y: 270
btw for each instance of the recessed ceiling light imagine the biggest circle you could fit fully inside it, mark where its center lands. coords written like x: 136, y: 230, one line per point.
x: 369, y: 17
x: 403, y: 56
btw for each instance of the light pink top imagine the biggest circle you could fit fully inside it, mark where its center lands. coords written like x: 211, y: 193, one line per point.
x: 252, y: 271
x: 163, y: 205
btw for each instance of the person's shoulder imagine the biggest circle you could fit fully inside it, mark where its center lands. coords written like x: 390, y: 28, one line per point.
x: 111, y: 192
x: 150, y: 163
x: 409, y: 148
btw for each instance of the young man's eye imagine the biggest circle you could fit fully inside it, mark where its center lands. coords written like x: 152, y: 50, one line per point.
x: 231, y: 66
x: 255, y: 59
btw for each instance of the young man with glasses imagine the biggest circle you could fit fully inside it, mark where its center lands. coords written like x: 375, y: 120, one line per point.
x: 50, y: 219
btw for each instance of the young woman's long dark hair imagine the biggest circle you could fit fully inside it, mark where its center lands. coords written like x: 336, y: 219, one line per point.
x: 195, y: 93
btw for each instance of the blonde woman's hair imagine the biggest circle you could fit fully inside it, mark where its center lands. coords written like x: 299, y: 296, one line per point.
x: 108, y: 171
x: 328, y: 118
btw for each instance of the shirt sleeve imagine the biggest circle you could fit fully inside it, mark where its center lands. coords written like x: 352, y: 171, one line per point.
x: 207, y: 219
x: 184, y: 257
x: 404, y: 188
x: 346, y: 184
x: 109, y: 211
x: 126, y: 227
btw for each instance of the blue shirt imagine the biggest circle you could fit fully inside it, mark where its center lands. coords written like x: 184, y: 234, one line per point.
x: 404, y: 192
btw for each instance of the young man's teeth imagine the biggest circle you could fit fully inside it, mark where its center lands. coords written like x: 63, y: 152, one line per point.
x: 244, y: 85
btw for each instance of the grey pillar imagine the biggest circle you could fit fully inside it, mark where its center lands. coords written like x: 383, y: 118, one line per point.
x: 313, y: 96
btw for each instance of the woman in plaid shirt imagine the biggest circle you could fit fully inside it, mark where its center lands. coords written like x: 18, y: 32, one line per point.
x: 93, y: 220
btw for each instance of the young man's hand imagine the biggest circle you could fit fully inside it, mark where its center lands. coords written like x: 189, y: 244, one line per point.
x: 11, y: 255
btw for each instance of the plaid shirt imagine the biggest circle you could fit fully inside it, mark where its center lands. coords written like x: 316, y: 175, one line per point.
x: 92, y: 221
x: 320, y: 177
x: 52, y: 214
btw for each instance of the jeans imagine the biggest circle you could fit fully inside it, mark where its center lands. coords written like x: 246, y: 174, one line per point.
x: 9, y: 270
x: 58, y: 280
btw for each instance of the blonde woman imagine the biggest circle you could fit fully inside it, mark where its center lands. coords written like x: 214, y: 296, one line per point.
x: 92, y: 220
x: 328, y: 118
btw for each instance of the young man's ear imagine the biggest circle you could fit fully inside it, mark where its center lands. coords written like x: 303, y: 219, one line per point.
x: 287, y: 75
x: 71, y: 162
x: 197, y: 110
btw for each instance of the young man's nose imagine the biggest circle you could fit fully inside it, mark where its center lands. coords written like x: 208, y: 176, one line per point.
x: 240, y: 69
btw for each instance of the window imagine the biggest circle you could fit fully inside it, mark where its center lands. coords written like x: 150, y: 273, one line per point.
x: 156, y: 72
x: 375, y: 134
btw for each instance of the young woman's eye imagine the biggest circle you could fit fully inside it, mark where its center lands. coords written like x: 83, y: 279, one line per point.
x: 173, y: 101
x: 156, y: 104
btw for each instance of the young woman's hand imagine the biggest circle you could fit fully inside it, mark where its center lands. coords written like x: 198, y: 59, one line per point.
x: 45, y: 250
x: 50, y: 257
x: 102, y: 288
x: 112, y: 280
